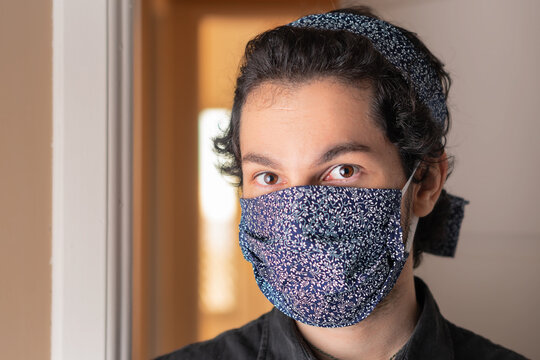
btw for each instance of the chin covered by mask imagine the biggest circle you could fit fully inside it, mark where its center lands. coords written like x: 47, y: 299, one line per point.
x: 325, y: 255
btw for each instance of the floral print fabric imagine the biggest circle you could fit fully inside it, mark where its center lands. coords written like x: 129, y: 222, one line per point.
x: 395, y: 47
x: 324, y: 255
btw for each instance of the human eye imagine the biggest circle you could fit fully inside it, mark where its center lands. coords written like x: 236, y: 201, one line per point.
x: 268, y: 178
x: 342, y: 172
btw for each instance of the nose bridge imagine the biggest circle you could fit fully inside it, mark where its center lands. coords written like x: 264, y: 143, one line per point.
x: 298, y: 167
x: 302, y: 176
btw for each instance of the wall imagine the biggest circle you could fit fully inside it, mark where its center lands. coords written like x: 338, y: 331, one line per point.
x: 25, y: 178
x: 492, y: 52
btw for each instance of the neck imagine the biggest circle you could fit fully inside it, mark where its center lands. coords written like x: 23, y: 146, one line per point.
x: 379, y: 336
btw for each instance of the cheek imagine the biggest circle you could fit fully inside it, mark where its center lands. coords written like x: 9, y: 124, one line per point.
x: 407, y: 205
x: 405, y: 208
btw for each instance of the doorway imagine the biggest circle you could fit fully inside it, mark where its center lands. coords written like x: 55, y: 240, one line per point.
x: 189, y: 279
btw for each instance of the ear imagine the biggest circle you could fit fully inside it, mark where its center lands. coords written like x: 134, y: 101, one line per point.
x: 427, y: 192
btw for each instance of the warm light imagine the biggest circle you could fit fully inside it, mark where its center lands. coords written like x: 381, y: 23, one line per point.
x: 218, y: 215
x: 217, y: 196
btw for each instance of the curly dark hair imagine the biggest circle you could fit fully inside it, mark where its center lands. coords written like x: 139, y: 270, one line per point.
x: 296, y: 55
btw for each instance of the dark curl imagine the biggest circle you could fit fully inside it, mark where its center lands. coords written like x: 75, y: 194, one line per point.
x: 296, y: 55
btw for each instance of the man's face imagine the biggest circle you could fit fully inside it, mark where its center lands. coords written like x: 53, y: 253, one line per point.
x: 315, y: 133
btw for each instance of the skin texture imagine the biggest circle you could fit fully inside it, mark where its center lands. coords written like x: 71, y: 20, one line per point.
x: 321, y: 132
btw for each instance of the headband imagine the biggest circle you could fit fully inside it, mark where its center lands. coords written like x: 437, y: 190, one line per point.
x: 388, y: 40
x: 417, y: 70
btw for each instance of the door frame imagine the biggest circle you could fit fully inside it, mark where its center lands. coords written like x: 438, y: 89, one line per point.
x: 92, y: 167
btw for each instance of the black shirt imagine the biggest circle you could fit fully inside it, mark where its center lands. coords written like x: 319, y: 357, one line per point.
x: 274, y: 336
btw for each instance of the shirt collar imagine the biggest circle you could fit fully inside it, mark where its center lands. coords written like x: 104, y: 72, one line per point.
x: 430, y: 339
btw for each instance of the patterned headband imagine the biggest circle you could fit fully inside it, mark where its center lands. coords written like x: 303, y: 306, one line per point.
x: 395, y: 47
x: 419, y: 73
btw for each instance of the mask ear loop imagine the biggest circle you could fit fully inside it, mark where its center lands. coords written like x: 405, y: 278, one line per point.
x: 414, y: 219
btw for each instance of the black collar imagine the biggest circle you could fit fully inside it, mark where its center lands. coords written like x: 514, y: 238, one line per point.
x: 431, y: 338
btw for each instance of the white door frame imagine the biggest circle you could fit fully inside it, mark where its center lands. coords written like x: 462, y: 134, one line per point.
x: 92, y: 167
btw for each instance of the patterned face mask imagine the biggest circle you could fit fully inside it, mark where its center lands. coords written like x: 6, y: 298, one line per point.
x: 325, y: 255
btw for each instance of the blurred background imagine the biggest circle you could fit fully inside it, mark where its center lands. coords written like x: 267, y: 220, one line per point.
x: 190, y: 281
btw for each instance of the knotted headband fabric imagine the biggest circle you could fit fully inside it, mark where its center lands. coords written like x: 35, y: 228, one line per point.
x: 417, y: 70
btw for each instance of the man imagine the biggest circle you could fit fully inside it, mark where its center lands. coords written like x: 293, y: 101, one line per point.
x: 337, y: 139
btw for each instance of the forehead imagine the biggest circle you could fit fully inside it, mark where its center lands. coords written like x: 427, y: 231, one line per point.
x: 286, y: 115
x: 271, y: 93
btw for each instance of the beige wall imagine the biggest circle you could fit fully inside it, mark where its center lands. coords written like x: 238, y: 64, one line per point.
x: 492, y: 52
x: 25, y: 178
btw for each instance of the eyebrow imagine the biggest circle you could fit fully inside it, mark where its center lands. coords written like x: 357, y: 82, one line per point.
x: 329, y: 155
x: 260, y: 159
x: 343, y: 148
